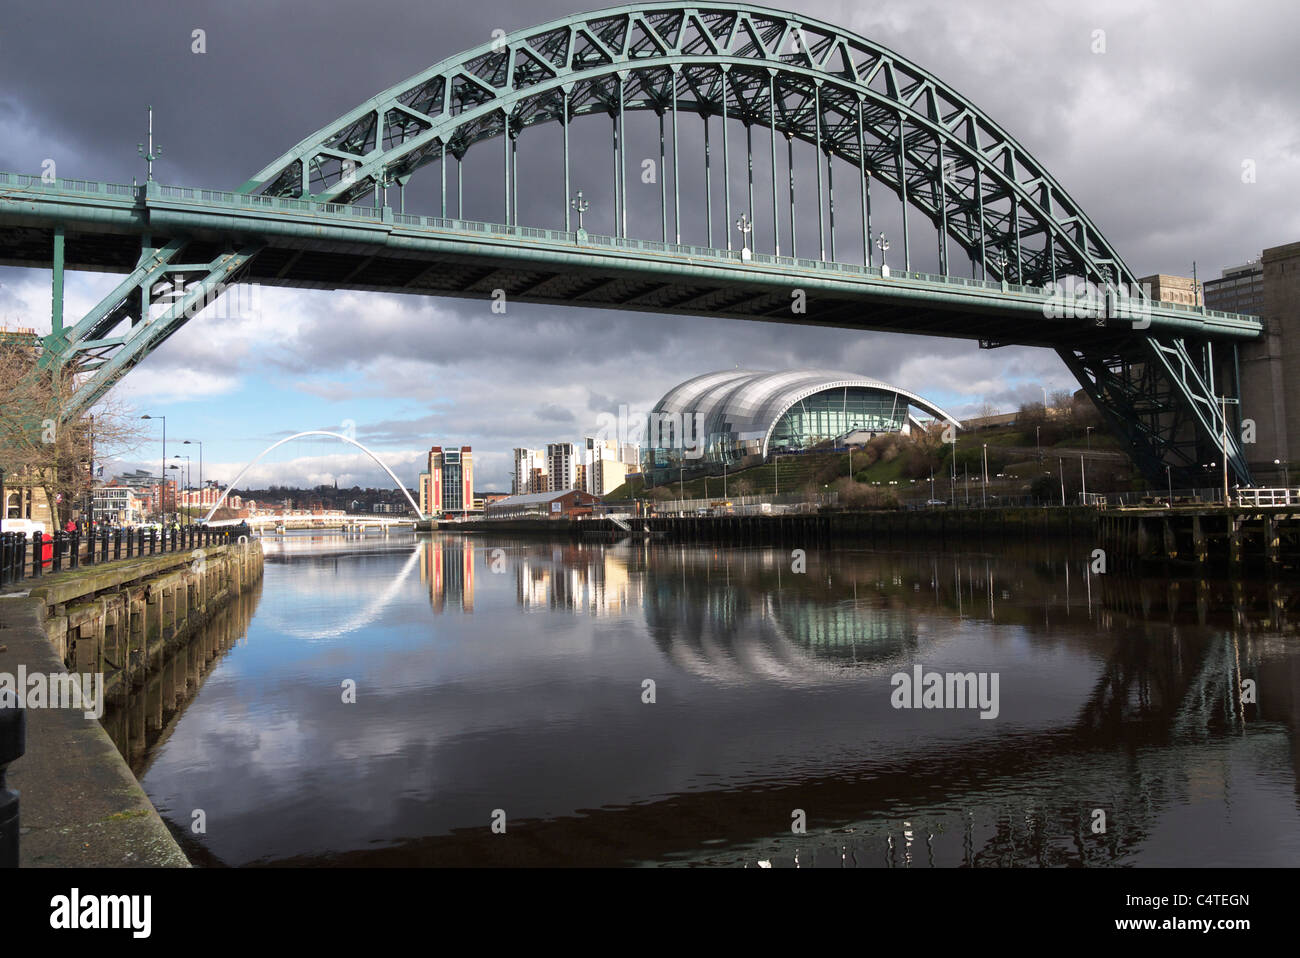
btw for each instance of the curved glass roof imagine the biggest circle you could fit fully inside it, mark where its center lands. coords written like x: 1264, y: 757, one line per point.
x: 747, y: 403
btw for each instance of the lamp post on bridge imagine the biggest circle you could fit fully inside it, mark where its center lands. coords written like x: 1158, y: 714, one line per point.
x: 580, y: 205
x: 882, y: 244
x: 745, y: 226
x: 152, y: 154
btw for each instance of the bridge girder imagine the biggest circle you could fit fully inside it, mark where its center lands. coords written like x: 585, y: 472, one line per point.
x: 801, y: 78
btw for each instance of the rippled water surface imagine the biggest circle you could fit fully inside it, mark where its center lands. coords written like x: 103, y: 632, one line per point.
x: 501, y: 678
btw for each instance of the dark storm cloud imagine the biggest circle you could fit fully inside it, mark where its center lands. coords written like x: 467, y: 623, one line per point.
x: 1149, y: 136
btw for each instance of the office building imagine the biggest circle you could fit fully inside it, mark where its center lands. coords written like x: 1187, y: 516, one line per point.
x: 561, y: 466
x: 447, y: 486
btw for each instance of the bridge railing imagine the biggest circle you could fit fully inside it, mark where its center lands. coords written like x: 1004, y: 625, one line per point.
x: 73, y: 186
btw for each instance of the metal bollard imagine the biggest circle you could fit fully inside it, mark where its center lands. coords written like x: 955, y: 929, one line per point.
x: 13, y: 742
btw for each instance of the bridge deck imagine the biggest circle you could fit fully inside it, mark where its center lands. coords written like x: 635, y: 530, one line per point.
x: 335, y: 246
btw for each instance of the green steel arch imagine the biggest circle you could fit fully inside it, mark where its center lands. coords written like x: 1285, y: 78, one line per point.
x: 799, y: 77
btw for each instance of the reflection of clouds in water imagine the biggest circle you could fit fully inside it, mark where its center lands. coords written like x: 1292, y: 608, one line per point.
x: 763, y: 679
x: 313, y: 622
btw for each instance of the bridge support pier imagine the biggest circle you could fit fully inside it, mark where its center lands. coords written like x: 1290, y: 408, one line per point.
x: 56, y: 290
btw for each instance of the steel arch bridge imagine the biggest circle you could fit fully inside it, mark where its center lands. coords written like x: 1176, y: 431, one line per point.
x: 303, y: 220
x: 315, y: 432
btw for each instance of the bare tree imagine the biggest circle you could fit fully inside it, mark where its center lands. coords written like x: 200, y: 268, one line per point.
x: 39, y: 448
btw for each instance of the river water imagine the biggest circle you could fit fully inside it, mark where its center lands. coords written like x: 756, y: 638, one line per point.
x: 518, y: 701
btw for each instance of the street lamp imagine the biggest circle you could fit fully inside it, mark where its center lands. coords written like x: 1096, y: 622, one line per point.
x: 745, y: 226
x: 882, y: 244
x: 178, y: 479
x: 1038, y: 441
x: 153, y: 153
x: 187, y: 479
x: 580, y: 205
x: 986, y: 476
x: 162, y: 491
x: 199, y: 443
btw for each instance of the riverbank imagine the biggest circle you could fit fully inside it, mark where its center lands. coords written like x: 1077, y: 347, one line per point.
x: 1201, y: 535
x: 879, y: 528
x: 81, y: 804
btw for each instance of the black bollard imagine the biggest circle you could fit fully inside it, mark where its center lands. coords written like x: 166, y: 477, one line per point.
x: 13, y: 742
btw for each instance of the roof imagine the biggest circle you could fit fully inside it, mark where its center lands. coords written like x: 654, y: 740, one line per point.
x: 748, y: 403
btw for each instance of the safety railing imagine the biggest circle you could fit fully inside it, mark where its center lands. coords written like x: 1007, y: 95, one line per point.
x: 1267, y: 497
x: 23, y: 556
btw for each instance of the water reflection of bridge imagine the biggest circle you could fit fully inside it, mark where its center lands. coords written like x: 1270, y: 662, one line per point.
x: 1171, y: 654
x: 1153, y: 723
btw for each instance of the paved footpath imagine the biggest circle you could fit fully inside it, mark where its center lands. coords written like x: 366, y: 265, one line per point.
x: 81, y: 805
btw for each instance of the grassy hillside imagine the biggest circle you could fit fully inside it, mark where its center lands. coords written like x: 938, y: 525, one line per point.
x: 789, y: 474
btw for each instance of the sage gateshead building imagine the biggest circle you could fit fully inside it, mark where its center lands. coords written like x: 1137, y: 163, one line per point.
x: 741, y: 417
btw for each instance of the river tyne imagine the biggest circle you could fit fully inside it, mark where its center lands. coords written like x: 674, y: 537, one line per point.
x: 476, y: 700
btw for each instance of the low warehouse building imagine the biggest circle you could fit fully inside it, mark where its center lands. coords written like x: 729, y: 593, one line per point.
x: 563, y: 504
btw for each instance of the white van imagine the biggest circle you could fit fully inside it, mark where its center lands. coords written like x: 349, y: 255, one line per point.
x: 25, y: 526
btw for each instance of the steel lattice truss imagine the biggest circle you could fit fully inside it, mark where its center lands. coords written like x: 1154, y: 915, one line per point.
x: 798, y: 77
x: 892, y: 121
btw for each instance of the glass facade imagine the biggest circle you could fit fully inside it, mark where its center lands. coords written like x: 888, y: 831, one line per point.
x: 829, y: 415
x: 735, y: 418
x: 453, y: 490
x: 815, y: 419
